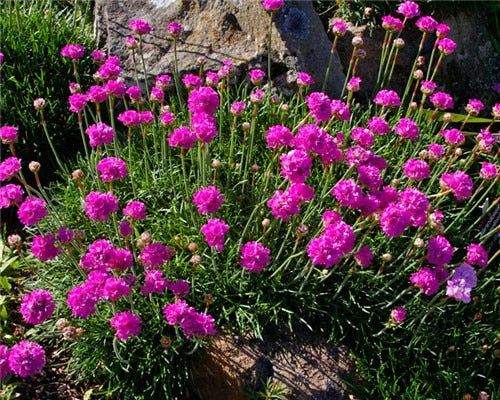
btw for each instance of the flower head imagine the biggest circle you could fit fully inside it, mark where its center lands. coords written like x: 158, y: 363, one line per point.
x: 453, y: 137
x: 295, y: 166
x: 426, y: 280
x: 32, y: 210
x: 44, y: 248
x: 398, y: 315
x: 9, y: 168
x: 77, y: 102
x: 474, y: 106
x: 254, y: 256
x: 476, y: 255
x: 319, y: 105
x: 488, y: 171
x: 155, y: 255
x: 364, y: 256
x: 392, y: 24
x: 439, y: 251
x: 416, y: 169
x: 37, y: 307
x: 256, y: 76
x: 8, y: 134
x: 426, y: 23
x: 407, y: 129
x: 174, y: 29
x: 446, y: 46
x: 99, y: 206
x: 214, y: 231
x: 208, y: 200
x: 408, y: 9
x: 112, y: 168
x: 461, y: 283
x: 126, y: 324
x: 10, y: 194
x: 273, y: 5
x: 182, y: 137
x: 26, y: 358
x: 387, y: 98
x: 459, y: 183
x: 135, y: 210
x: 139, y: 26
x: 4, y: 361
x: 73, y: 51
x: 304, y: 79
x: 204, y: 100
x: 99, y: 134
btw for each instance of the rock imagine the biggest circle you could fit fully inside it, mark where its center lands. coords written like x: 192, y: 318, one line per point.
x: 303, y: 364
x: 470, y: 72
x: 220, y: 30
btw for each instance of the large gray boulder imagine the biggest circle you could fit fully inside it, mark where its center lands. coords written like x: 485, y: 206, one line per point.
x: 220, y: 30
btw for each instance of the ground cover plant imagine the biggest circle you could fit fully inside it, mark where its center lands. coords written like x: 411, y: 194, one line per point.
x: 200, y: 205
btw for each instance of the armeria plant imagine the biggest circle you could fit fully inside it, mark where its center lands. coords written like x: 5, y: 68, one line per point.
x: 233, y: 206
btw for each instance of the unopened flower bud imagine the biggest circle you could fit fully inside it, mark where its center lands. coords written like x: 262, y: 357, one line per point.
x: 451, y: 349
x: 79, y: 331
x: 79, y: 234
x: 418, y: 243
x: 368, y: 11
x: 483, y: 396
x: 467, y: 396
x: 266, y: 222
x: 301, y: 230
x: 77, y: 174
x: 275, y: 99
x: 255, y: 168
x: 496, y: 353
x: 285, y: 107
x: 216, y: 164
x: 485, y: 347
x: 208, y: 298
x: 39, y: 103
x: 386, y: 257
x: 360, y: 53
x: 245, y: 126
x: 458, y: 152
x: 14, y: 241
x: 146, y: 237
x: 395, y: 182
x: 165, y: 342
x: 421, y: 61
x: 478, y: 315
x: 357, y: 41
x: 200, y: 61
x: 62, y: 323
x: 418, y: 74
x: 399, y: 43
x: 413, y: 105
x: 447, y: 117
x: 424, y: 154
x: 475, y: 299
x: 195, y: 260
x: 140, y: 244
x: 69, y: 333
x: 34, y: 166
x: 192, y: 247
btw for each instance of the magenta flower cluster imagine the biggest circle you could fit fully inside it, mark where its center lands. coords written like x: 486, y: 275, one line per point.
x: 192, y: 323
x: 208, y: 200
x: 254, y: 256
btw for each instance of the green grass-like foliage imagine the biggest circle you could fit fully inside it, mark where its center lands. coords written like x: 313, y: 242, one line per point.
x: 444, y: 349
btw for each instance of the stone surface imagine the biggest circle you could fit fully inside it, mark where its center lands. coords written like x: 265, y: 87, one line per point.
x: 304, y: 364
x: 470, y: 72
x: 220, y: 30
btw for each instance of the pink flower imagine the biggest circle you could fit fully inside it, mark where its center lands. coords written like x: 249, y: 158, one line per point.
x: 125, y: 229
x: 130, y: 118
x: 278, y: 135
x: 364, y: 256
x: 179, y: 288
x: 115, y: 88
x: 167, y: 119
x: 340, y: 110
x: 99, y: 257
x: 135, y: 210
x: 416, y: 204
x: 237, y: 108
x: 203, y: 100
x: 174, y: 29
x: 394, y: 219
x: 155, y: 255
x: 44, y: 248
x: 153, y: 282
x: 146, y: 117
x: 204, y: 126
x: 426, y: 24
x: 126, y: 324
x: 398, y: 315
x: 354, y: 84
x: 115, y: 288
x: 254, y: 256
x: 461, y: 283
x: 416, y: 169
x: 304, y: 79
x: 442, y: 30
x: 208, y: 200
x: 98, y: 56
x: 26, y: 358
x: 257, y: 96
x: 295, y: 166
x: 110, y: 69
x: 348, y: 193
x: 156, y: 95
x: 82, y: 301
x: 369, y: 176
x: 408, y: 9
x: 4, y: 361
x: 174, y: 312
x: 426, y: 280
x: 73, y: 51
x: 77, y: 102
x: 97, y: 94
x: 319, y: 105
x: 211, y: 78
x: 99, y: 206
x: 324, y: 251
x: 134, y: 92
x: 256, y: 76
x: 214, y: 231
x: 392, y: 24
x: 112, y: 168
x: 378, y: 125
x: 10, y: 194
x: 439, y: 251
x: 182, y: 137
x: 37, y: 307
x: 283, y: 205
x: 8, y: 134
x: 488, y: 171
x: 339, y: 27
x: 191, y: 322
x: 427, y: 87
x: 485, y: 140
x: 387, y: 98
x: 32, y: 210
x: 446, y: 46
x: 163, y: 82
x: 139, y: 26
x: 453, y: 137
x: 459, y: 183
x: 474, y: 106
x: 362, y: 136
x: 273, y: 5
x: 192, y: 81
x: 407, y: 129
x: 476, y: 255
x: 300, y: 192
x: 99, y: 134
x: 9, y: 168
x: 436, y: 151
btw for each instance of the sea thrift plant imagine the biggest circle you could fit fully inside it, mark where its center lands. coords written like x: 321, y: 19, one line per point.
x: 202, y: 203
